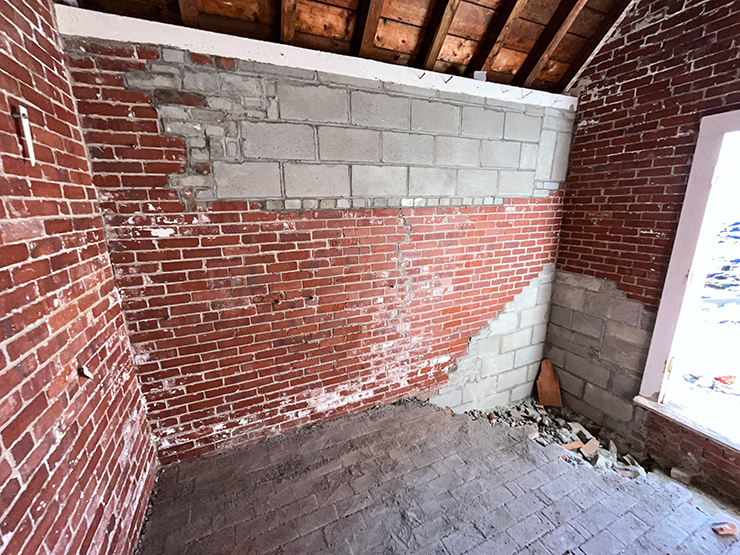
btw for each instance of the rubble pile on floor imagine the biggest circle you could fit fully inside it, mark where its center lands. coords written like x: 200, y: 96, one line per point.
x: 564, y: 427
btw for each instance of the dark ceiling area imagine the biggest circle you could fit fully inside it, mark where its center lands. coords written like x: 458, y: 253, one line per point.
x: 536, y: 44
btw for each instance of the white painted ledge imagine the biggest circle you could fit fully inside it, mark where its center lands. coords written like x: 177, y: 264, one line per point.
x: 91, y: 24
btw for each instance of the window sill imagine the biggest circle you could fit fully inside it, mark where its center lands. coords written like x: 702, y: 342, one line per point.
x: 675, y: 414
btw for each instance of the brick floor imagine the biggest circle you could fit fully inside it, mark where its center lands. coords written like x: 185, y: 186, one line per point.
x: 410, y: 478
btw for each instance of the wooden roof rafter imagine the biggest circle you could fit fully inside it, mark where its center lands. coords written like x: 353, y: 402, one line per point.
x: 512, y: 40
x: 288, y: 18
x: 189, y: 12
x: 495, y: 36
x: 550, y: 38
x: 619, y: 9
x: 439, y: 25
x: 368, y: 17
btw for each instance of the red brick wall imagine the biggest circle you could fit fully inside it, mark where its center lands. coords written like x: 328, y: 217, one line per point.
x: 669, y: 64
x: 77, y: 460
x: 245, y: 322
x: 713, y: 465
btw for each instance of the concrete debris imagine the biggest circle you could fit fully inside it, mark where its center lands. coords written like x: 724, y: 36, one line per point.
x: 590, y: 448
x: 562, y: 426
x: 681, y: 475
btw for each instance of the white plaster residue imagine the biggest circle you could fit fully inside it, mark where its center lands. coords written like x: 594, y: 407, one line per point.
x: 320, y: 400
x: 88, y: 23
x: 142, y: 358
x: 586, y: 122
x: 161, y: 232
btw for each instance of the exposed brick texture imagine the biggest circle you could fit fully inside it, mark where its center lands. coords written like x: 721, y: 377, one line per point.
x: 713, y: 465
x: 76, y: 456
x: 247, y: 322
x: 669, y: 64
x: 642, y: 97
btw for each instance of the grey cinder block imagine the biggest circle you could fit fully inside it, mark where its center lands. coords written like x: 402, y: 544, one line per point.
x: 522, y: 127
x: 456, y: 151
x: 379, y: 110
x: 313, y: 103
x: 516, y: 183
x: 408, y: 148
x: 316, y: 180
x: 500, y: 154
x: 378, y: 181
x: 200, y: 81
x: 432, y: 182
x: 477, y: 182
x: 240, y: 85
x: 258, y: 180
x: 285, y: 141
x: 433, y: 116
x: 479, y: 122
x: 350, y: 145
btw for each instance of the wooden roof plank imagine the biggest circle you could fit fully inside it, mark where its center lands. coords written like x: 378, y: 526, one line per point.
x: 439, y: 25
x: 611, y: 20
x: 368, y: 16
x: 287, y: 21
x: 551, y: 36
x: 495, y: 36
x: 189, y: 12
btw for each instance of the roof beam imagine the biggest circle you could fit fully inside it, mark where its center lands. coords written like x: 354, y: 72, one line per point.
x: 609, y: 23
x: 189, y: 12
x: 363, y: 38
x: 434, y: 36
x: 287, y: 21
x: 496, y: 34
x: 548, y: 41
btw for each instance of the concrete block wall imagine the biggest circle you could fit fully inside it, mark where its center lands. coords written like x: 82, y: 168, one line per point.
x: 503, y: 358
x: 298, y: 139
x: 251, y: 318
x: 598, y: 340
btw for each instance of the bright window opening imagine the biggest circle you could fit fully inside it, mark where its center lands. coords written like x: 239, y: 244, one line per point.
x: 693, y: 369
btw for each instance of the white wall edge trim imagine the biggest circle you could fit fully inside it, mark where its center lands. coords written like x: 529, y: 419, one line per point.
x: 711, y: 133
x: 86, y: 23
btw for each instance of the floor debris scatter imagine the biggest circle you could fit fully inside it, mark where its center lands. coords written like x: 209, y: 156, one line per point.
x: 564, y: 427
x: 411, y: 478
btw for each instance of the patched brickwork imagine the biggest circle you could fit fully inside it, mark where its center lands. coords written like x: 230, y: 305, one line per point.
x: 598, y: 339
x: 642, y: 98
x: 76, y: 456
x: 298, y: 139
x: 247, y: 322
x: 503, y: 358
x: 643, y: 95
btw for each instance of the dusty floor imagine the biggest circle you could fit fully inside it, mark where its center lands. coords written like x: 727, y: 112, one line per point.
x: 413, y: 479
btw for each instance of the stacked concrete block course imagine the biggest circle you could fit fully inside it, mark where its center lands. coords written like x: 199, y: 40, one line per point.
x: 598, y: 339
x: 359, y: 143
x: 503, y: 358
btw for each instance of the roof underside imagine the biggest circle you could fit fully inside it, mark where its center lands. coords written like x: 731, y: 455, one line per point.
x: 537, y: 44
